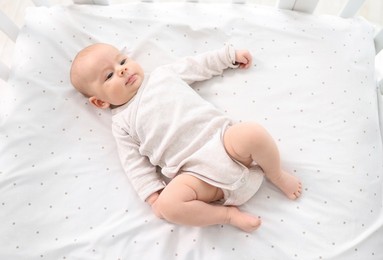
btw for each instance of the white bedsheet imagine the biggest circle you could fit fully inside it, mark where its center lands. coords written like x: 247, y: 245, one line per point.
x: 63, y: 194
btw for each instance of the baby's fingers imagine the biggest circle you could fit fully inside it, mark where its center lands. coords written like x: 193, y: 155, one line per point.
x: 244, y: 59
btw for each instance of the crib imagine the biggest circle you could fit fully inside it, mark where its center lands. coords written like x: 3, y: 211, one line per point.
x: 313, y: 84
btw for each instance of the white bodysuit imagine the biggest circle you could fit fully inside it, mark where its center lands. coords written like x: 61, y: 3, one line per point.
x: 167, y: 124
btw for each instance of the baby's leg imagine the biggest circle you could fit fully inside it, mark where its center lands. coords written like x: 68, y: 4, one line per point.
x: 186, y: 200
x: 248, y: 142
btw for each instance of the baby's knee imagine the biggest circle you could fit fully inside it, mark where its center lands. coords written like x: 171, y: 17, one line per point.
x: 166, y: 209
x: 244, y: 131
x: 253, y: 130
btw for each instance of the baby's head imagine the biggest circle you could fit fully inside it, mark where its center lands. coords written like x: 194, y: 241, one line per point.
x: 105, y: 75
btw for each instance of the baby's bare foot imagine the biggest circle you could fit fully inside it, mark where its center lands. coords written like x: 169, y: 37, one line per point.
x: 289, y: 184
x: 242, y: 220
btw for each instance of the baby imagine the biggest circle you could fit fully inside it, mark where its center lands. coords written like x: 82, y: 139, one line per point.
x: 159, y: 120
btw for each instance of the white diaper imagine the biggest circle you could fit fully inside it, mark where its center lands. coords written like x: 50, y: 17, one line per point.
x: 251, y: 181
x: 213, y: 165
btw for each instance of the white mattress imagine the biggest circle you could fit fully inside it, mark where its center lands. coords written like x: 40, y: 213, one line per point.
x: 63, y: 194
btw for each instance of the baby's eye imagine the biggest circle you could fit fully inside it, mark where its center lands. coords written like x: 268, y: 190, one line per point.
x: 123, y: 62
x: 109, y: 76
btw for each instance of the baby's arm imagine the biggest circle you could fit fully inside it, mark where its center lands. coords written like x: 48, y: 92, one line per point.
x: 206, y: 65
x: 142, y: 174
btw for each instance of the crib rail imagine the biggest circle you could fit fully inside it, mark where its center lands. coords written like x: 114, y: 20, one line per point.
x: 308, y: 6
x: 95, y: 2
x: 351, y: 8
x: 11, y: 30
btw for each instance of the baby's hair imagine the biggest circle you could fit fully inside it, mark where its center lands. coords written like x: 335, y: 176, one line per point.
x: 75, y: 76
x: 75, y: 70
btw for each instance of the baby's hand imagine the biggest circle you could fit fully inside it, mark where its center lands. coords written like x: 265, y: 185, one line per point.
x: 243, y: 58
x: 152, y: 198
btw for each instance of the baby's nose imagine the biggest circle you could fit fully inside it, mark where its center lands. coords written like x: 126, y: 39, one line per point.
x: 123, y: 71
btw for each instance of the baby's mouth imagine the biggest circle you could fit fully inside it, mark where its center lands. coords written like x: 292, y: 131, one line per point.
x: 131, y: 79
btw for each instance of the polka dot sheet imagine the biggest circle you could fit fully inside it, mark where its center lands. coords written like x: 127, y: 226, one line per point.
x: 63, y: 194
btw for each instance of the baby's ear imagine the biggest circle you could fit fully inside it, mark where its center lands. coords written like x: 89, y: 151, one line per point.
x: 98, y: 103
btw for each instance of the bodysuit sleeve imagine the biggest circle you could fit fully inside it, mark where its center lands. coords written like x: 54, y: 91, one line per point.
x: 206, y: 65
x: 140, y: 171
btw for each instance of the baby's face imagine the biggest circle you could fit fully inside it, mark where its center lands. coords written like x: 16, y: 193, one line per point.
x: 112, y: 76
